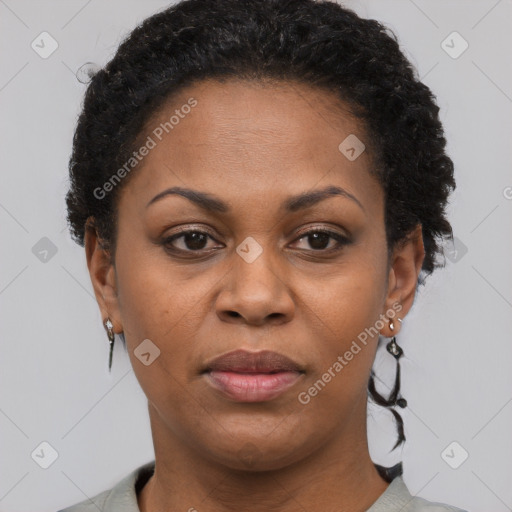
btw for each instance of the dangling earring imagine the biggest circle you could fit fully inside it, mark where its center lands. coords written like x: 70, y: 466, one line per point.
x: 394, y: 348
x: 111, y: 339
x: 396, y: 351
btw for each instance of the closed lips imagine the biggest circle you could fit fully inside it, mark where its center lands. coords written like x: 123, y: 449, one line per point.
x: 243, y: 376
x: 243, y: 361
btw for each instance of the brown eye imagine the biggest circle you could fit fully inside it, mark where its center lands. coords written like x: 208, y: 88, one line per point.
x: 189, y: 241
x: 318, y: 239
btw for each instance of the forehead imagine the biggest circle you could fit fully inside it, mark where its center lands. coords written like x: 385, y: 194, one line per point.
x: 239, y: 112
x: 250, y: 136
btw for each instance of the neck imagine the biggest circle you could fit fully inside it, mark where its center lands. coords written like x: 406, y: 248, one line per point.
x: 340, y: 475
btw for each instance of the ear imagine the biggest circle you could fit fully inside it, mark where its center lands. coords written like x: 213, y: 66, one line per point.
x: 103, y: 276
x: 406, y: 262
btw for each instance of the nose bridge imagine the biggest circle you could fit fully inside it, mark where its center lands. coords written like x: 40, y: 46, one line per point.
x: 256, y: 286
x: 256, y: 263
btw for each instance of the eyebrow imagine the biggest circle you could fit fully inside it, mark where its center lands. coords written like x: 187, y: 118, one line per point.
x: 291, y: 204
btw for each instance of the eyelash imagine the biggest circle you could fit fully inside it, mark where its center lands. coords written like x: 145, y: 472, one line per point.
x: 340, y: 239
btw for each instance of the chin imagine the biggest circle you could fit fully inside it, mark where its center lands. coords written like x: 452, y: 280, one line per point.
x: 263, y: 452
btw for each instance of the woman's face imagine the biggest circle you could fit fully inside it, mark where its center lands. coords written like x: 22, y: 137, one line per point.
x: 255, y: 273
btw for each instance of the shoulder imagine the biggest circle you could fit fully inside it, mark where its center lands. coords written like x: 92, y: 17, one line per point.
x: 90, y: 505
x: 398, y: 498
x: 420, y: 505
x: 122, y: 497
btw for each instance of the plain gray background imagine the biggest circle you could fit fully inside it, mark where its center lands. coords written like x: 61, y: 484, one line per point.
x: 54, y: 382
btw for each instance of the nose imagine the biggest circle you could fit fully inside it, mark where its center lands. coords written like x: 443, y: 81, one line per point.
x: 256, y: 293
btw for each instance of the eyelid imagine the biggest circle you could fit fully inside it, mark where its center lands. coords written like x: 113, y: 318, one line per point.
x: 182, y: 231
x: 340, y: 239
x: 191, y: 228
x: 325, y: 228
x: 301, y: 233
x: 167, y: 242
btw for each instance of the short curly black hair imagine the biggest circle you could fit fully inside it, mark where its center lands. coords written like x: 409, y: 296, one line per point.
x: 319, y: 43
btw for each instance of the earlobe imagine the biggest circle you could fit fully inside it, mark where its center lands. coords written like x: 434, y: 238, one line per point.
x: 103, y: 277
x: 407, y: 260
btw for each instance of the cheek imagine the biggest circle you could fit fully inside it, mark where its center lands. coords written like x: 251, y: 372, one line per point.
x: 156, y: 306
x: 351, y: 297
x: 166, y: 306
x: 346, y: 309
x: 154, y: 297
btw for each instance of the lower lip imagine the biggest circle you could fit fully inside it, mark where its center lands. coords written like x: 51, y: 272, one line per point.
x: 252, y: 387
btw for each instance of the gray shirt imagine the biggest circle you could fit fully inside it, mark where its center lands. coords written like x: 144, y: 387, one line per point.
x: 123, y: 496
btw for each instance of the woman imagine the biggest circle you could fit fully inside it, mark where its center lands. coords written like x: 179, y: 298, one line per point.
x: 260, y: 188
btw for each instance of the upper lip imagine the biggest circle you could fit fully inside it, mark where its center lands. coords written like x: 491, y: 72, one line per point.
x: 243, y: 361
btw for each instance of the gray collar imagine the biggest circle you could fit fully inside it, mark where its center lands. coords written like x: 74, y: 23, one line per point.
x: 123, y: 496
